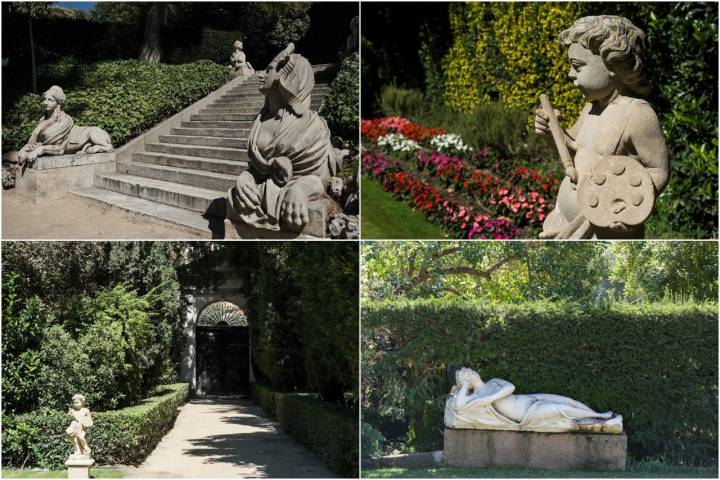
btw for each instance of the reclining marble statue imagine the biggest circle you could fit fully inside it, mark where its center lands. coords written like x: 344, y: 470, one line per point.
x: 620, y: 162
x: 289, y: 149
x: 493, y: 405
x: 57, y: 134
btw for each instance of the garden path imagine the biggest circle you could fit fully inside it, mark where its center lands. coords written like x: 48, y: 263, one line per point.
x: 228, y: 437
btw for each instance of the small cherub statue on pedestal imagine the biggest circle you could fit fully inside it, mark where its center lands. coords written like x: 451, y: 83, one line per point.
x: 78, y: 427
x: 615, y: 158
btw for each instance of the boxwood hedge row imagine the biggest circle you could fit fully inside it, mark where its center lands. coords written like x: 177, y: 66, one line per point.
x: 656, y: 364
x: 124, y: 97
x: 329, y: 430
x: 125, y: 436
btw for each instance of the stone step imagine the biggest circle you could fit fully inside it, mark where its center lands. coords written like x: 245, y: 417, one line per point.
x: 230, y: 109
x: 260, y: 96
x: 241, y: 133
x: 188, y: 222
x: 217, y: 124
x: 215, y: 116
x: 322, y: 88
x: 198, y: 151
x: 205, y: 141
x: 229, y: 167
x: 201, y: 200
x: 195, y: 178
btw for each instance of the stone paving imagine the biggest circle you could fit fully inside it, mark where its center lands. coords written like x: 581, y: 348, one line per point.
x: 226, y: 437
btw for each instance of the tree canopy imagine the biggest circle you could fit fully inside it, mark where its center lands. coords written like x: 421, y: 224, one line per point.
x: 522, y: 271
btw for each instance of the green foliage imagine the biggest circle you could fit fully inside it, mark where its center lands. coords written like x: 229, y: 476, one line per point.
x: 327, y: 429
x: 655, y: 270
x: 23, y: 325
x: 112, y: 341
x: 372, y: 440
x: 124, y: 436
x: 656, y: 364
x: 109, y: 357
x: 340, y: 108
x: 124, y: 98
x: 501, y: 128
x: 214, y: 45
x: 406, y: 102
x: 304, y: 306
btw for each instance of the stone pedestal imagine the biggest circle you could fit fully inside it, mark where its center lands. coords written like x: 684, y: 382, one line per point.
x: 79, y: 467
x: 547, y: 451
x: 318, y: 210
x: 53, y: 177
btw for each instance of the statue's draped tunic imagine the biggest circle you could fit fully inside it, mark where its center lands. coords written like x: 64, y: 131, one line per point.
x: 51, y: 131
x: 302, y: 136
x: 546, y: 414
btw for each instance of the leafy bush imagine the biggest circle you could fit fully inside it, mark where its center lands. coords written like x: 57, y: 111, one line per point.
x: 125, y: 436
x: 214, y: 45
x: 23, y: 324
x: 108, y: 360
x: 327, y: 429
x: 372, y: 440
x: 405, y: 102
x: 340, y: 108
x: 123, y: 97
x: 656, y: 364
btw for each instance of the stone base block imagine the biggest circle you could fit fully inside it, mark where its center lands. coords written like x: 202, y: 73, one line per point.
x: 548, y: 451
x: 79, y: 467
x: 318, y: 210
x: 53, y: 177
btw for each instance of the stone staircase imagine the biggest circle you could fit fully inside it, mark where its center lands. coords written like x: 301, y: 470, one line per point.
x: 179, y: 172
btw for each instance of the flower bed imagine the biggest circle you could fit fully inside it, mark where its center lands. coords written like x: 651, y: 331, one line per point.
x: 425, y: 163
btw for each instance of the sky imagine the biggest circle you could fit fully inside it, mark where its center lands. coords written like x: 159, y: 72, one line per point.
x: 76, y: 5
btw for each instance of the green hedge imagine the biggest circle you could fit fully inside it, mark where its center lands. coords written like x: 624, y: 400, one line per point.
x: 329, y: 430
x: 125, y: 436
x: 123, y: 97
x: 340, y: 108
x: 656, y: 364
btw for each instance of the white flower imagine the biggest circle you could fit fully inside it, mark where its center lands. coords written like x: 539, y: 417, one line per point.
x: 397, y: 143
x: 449, y: 143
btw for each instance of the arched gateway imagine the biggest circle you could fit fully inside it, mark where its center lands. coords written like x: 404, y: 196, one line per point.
x: 217, y: 342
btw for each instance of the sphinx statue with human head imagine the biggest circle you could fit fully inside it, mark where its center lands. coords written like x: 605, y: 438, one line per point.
x: 57, y: 134
x: 290, y: 153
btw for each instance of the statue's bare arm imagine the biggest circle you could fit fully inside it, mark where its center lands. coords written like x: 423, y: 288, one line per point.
x: 647, y: 139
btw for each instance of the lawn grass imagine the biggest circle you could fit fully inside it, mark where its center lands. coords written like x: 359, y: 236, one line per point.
x: 634, y: 470
x: 27, y: 473
x: 385, y: 217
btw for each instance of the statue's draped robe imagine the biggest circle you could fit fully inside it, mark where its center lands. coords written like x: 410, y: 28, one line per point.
x: 51, y: 131
x: 302, y: 136
x: 546, y: 414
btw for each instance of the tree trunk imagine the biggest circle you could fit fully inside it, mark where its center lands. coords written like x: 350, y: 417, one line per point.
x: 32, y: 56
x: 151, y: 50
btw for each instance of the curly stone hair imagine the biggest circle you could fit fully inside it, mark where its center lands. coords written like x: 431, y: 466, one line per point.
x: 58, y: 94
x: 620, y: 44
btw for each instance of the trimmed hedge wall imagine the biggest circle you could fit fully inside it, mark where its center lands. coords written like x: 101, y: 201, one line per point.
x: 125, y: 436
x: 329, y: 430
x: 124, y: 97
x: 656, y: 364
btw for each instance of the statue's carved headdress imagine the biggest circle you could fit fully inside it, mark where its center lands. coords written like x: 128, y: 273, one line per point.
x: 295, y: 79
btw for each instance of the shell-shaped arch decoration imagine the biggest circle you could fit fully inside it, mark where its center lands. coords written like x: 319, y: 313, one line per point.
x: 222, y: 313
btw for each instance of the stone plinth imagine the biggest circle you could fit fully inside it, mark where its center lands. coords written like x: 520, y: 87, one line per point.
x: 547, y: 451
x: 318, y: 211
x: 79, y: 467
x: 53, y: 177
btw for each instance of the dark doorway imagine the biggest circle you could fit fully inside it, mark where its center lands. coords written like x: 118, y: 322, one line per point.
x: 222, y: 360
